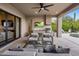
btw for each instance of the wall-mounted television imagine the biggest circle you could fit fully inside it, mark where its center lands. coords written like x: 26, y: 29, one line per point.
x: 39, y: 24
x: 8, y: 22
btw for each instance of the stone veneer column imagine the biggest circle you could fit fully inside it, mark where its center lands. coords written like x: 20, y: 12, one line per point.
x: 59, y: 27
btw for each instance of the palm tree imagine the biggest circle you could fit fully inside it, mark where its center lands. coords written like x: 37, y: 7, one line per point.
x: 74, y: 19
x: 74, y: 16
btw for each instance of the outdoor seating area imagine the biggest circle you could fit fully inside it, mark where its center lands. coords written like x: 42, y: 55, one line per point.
x: 36, y: 46
x: 31, y: 52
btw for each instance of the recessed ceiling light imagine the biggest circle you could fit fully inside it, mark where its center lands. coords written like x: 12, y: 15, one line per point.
x: 56, y: 12
x: 36, y: 12
x: 42, y: 8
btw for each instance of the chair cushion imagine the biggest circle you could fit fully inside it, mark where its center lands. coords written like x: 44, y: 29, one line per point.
x: 63, y: 50
x: 33, y: 36
x: 49, y: 49
x: 15, y: 49
x: 53, y: 49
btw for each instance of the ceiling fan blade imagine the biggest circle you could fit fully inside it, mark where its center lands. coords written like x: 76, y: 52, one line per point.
x: 41, y: 4
x: 39, y: 10
x: 48, y: 5
x: 35, y: 7
x: 46, y: 9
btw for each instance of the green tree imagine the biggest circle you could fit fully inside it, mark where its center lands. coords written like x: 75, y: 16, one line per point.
x: 70, y: 23
x: 67, y: 23
x: 53, y: 26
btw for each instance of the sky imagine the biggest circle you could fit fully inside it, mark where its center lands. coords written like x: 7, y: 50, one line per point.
x: 72, y: 14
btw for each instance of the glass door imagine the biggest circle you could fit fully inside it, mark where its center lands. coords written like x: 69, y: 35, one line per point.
x: 10, y: 27
x: 18, y: 31
x: 2, y: 28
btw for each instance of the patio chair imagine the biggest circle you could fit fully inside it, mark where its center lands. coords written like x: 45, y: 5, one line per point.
x: 47, y: 39
x: 33, y: 39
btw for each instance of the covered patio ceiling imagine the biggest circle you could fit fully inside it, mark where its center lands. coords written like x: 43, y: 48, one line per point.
x: 55, y: 10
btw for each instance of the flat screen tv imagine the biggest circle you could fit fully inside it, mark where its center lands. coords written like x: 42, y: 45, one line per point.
x: 8, y: 22
x: 39, y: 24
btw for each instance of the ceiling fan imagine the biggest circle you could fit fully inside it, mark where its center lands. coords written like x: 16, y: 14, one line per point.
x: 43, y: 7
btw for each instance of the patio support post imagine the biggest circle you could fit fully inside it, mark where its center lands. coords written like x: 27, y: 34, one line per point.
x: 59, y: 26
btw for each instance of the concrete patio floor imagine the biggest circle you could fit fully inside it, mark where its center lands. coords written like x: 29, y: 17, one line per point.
x: 69, y: 42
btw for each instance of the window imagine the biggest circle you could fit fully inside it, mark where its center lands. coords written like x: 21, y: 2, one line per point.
x: 39, y: 24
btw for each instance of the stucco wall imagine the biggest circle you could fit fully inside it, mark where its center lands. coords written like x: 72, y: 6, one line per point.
x: 11, y: 9
x: 48, y: 19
